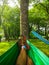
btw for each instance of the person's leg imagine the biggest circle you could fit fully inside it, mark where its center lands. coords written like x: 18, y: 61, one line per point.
x: 22, y: 57
x: 29, y: 61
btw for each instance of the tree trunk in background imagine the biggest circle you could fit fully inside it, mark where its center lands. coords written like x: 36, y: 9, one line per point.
x: 46, y: 32
x: 38, y: 27
x: 0, y: 20
x: 24, y: 17
x: 0, y: 38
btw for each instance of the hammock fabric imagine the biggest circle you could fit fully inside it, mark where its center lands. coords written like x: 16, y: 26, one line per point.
x: 37, y: 56
x: 40, y: 37
x: 10, y: 57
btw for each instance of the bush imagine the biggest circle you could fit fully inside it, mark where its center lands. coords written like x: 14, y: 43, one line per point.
x: 32, y: 36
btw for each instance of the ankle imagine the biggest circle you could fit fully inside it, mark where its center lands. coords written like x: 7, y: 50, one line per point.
x: 23, y: 47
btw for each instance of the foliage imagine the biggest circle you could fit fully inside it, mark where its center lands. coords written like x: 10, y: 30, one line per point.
x: 11, y: 24
x: 10, y: 17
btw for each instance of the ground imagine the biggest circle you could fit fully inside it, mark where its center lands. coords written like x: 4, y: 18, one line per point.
x: 4, y: 46
x: 41, y: 45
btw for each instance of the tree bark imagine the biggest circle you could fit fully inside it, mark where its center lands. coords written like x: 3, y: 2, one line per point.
x: 24, y: 17
x: 0, y: 38
x: 46, y: 32
x: 38, y: 26
x: 0, y: 20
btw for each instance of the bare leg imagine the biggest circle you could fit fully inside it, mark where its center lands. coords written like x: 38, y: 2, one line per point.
x: 22, y: 57
x: 30, y: 62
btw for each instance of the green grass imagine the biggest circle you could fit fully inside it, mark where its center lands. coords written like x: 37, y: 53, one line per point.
x: 4, y: 46
x: 41, y: 45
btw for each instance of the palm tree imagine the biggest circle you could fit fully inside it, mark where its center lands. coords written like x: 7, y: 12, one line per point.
x: 24, y: 17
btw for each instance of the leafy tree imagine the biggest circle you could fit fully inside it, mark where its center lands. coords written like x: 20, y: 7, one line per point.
x: 39, y: 15
x: 11, y: 22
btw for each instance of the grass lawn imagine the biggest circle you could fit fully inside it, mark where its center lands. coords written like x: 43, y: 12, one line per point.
x: 4, y: 46
x: 41, y: 45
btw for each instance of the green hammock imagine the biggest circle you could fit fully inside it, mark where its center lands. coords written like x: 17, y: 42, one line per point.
x: 37, y: 56
x: 10, y: 57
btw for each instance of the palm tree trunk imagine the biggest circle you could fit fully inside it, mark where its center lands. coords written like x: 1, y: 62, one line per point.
x: 24, y: 17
